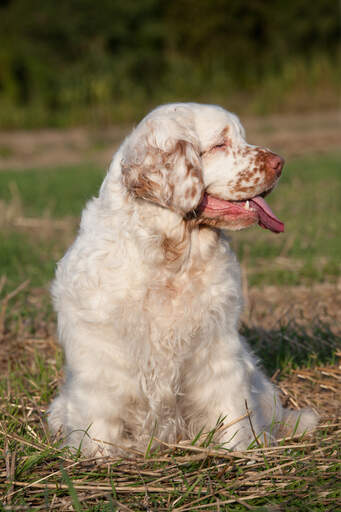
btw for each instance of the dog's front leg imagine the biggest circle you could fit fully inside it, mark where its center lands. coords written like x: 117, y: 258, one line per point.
x: 222, y: 380
x: 95, y: 409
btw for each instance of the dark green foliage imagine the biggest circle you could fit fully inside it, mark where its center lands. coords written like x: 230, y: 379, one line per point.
x: 69, y: 62
x: 248, y: 37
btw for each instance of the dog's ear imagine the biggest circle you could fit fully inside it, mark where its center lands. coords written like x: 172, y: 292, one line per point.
x: 161, y: 163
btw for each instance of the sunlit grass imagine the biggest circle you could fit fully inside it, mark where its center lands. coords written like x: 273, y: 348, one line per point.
x: 58, y: 191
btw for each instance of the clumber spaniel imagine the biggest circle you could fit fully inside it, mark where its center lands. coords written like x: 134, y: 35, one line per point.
x: 148, y: 296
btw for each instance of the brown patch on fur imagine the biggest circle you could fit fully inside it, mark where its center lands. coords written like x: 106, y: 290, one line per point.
x: 247, y: 174
x: 180, y: 147
x: 194, y: 191
x: 192, y: 170
x: 156, y: 181
x: 174, y: 248
x: 250, y: 180
x: 171, y: 187
x: 142, y: 186
x: 260, y: 164
x: 243, y: 189
x: 242, y: 151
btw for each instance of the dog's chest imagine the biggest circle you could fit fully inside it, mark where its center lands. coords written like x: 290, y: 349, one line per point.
x: 190, y: 300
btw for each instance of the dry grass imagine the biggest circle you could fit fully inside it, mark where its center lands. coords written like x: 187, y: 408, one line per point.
x: 35, y: 474
x: 185, y: 478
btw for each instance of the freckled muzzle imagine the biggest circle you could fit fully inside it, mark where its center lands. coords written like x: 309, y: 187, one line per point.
x: 237, y: 214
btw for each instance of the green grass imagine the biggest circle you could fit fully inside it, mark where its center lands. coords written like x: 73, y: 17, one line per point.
x: 22, y: 258
x: 48, y: 194
x: 60, y: 191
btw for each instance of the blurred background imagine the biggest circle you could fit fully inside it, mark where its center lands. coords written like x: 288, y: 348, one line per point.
x: 74, y: 62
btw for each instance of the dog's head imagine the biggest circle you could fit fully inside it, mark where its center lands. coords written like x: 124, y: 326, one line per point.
x: 194, y: 160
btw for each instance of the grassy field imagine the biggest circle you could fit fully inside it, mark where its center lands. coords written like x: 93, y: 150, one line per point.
x: 39, y: 213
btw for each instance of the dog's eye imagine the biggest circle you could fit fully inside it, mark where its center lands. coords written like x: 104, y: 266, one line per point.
x: 217, y: 146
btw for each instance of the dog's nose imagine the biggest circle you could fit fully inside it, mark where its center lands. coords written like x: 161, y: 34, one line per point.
x: 275, y: 163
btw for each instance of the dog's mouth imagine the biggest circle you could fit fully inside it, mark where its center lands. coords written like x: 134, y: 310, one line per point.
x: 254, y: 209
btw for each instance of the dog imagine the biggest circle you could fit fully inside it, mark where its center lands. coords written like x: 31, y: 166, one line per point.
x: 149, y: 295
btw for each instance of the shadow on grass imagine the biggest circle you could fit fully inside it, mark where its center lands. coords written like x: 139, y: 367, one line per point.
x: 293, y: 345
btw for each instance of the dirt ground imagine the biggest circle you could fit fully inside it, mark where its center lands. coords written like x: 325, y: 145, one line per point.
x: 290, y: 135
x: 268, y: 306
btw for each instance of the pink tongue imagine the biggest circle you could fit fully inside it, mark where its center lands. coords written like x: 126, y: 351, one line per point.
x: 267, y: 218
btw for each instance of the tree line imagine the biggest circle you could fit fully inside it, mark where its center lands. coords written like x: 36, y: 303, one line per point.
x: 80, y: 60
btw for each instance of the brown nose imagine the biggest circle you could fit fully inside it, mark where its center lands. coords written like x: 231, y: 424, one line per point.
x: 275, y: 163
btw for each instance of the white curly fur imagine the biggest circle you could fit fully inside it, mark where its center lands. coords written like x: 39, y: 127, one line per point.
x: 148, y: 297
